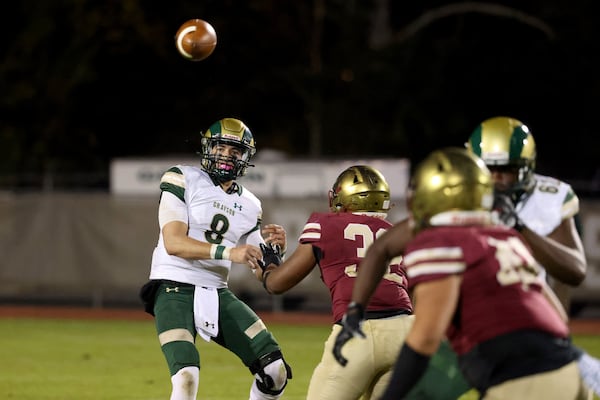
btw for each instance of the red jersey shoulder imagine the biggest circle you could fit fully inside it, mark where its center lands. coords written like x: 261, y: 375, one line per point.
x: 323, y: 224
x: 471, y: 239
x: 441, y: 251
x: 442, y: 237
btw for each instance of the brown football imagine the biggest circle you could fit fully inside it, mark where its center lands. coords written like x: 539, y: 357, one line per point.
x: 196, y: 39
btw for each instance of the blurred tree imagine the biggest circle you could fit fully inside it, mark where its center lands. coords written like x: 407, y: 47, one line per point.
x: 83, y: 82
x: 57, y: 50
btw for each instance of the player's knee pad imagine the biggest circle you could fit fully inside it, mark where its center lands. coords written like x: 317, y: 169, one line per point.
x: 272, y: 373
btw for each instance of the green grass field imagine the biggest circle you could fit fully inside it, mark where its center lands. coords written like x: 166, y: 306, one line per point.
x: 56, y: 359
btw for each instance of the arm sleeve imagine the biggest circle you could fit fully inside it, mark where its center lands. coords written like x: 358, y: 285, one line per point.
x: 570, y: 206
x: 410, y: 367
x: 171, y: 209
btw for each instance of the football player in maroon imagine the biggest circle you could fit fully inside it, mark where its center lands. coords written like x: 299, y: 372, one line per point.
x: 336, y: 241
x: 477, y: 284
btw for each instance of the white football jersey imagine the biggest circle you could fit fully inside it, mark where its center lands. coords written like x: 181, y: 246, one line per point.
x: 550, y: 202
x: 214, y: 216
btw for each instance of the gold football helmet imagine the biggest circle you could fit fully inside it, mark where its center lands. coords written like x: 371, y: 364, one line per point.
x: 360, y: 188
x: 450, y: 179
x: 232, y: 132
x: 506, y: 142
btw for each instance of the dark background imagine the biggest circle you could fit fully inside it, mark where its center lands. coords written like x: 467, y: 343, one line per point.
x: 83, y: 82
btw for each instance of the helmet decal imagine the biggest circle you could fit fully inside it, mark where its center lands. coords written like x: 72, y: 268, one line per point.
x: 518, y: 141
x: 474, y: 143
x: 505, y: 141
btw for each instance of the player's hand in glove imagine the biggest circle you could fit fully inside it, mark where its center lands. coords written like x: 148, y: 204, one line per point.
x: 271, y: 255
x: 351, y: 327
x: 504, y: 211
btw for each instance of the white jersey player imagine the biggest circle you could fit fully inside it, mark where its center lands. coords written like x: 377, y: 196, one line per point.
x: 207, y: 222
x: 544, y: 209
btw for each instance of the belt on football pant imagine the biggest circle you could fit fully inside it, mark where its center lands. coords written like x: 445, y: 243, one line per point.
x: 379, y: 314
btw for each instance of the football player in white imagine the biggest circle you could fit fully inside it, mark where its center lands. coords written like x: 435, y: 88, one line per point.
x: 544, y: 209
x: 207, y: 222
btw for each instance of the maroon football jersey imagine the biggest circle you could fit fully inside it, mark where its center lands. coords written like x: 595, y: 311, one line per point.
x: 501, y: 287
x: 343, y: 239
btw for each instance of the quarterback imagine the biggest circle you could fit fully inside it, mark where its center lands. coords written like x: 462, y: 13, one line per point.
x: 207, y: 222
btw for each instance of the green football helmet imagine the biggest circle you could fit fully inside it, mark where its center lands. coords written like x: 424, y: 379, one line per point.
x: 506, y: 142
x: 360, y: 188
x: 232, y: 132
x: 450, y: 179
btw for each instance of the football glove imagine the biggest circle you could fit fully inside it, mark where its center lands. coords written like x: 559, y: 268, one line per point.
x: 351, y: 327
x: 504, y: 211
x: 271, y: 255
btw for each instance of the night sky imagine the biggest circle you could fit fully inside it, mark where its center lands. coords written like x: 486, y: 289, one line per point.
x: 83, y: 82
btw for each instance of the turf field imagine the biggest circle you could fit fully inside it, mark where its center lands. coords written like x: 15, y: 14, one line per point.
x: 63, y: 359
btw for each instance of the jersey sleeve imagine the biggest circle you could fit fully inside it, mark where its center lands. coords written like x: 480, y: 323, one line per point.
x: 172, y: 205
x: 570, y: 206
x: 431, y: 257
x: 311, y: 233
x: 173, y: 181
x: 171, y: 208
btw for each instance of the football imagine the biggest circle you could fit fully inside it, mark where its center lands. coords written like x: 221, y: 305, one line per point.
x: 196, y: 39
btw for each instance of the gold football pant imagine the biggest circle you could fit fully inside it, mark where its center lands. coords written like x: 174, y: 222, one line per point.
x: 561, y: 384
x: 370, y: 361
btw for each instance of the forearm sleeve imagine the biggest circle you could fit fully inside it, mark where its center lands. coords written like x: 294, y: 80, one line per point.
x: 409, y: 368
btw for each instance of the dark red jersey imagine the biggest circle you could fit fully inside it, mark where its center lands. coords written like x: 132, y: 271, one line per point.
x: 500, y: 290
x: 342, y: 240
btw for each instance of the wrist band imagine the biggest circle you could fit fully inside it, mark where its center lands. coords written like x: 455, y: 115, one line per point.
x: 219, y: 252
x: 264, y: 281
x: 357, y: 308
